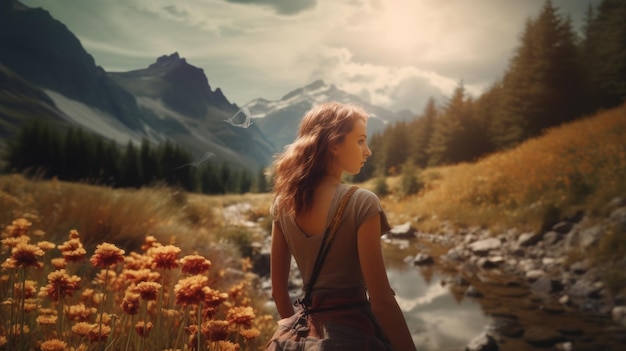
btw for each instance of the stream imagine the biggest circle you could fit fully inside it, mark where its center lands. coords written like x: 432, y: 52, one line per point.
x: 442, y: 316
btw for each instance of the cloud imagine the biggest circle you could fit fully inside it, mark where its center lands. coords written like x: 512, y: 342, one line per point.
x: 394, y: 87
x: 283, y: 7
x: 396, y: 53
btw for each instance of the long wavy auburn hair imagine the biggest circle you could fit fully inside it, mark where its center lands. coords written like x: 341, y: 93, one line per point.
x: 302, y: 164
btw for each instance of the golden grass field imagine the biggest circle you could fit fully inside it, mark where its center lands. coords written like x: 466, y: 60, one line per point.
x: 86, y: 267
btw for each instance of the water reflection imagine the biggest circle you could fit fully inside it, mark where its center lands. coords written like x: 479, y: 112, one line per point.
x: 441, y: 317
x: 438, y: 319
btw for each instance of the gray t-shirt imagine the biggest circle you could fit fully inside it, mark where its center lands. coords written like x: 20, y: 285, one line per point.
x: 341, y: 268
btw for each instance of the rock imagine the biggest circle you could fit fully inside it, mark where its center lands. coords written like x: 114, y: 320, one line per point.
x: 619, y: 314
x: 472, y: 292
x: 590, y: 236
x: 579, y: 267
x: 534, y: 274
x: 585, y: 289
x: 483, y: 247
x: 453, y: 255
x: 564, y: 346
x: 422, y: 259
x: 490, y: 262
x: 530, y: 238
x: 542, y: 336
x: 562, y: 227
x: 551, y: 238
x: 402, y: 231
x: 483, y: 342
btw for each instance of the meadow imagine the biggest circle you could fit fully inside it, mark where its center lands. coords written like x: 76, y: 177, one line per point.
x: 86, y: 267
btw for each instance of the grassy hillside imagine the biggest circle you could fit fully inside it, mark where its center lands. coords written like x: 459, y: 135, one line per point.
x: 578, y: 166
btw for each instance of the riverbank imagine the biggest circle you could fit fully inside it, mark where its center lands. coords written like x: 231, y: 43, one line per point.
x: 523, y: 279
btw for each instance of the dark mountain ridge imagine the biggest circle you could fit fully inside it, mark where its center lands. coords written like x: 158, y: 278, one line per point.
x: 46, y: 53
x: 169, y: 100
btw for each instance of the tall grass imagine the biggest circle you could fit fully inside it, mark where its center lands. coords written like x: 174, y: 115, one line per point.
x: 91, y: 268
x: 578, y: 166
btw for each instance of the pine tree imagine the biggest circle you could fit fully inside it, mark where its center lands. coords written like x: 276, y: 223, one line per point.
x: 129, y: 168
x: 448, y: 143
x: 604, y: 52
x: 543, y: 86
x: 420, y: 132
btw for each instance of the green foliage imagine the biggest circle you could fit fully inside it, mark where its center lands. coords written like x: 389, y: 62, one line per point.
x: 409, y: 183
x: 380, y: 187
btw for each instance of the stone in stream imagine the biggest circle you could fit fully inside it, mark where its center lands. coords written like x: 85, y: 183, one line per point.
x: 422, y: 259
x: 402, y: 231
x: 483, y: 342
x: 483, y: 247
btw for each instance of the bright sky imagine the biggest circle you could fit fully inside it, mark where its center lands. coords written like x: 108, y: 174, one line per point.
x: 392, y: 53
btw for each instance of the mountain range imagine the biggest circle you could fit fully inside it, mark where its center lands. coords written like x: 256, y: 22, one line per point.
x: 45, y: 73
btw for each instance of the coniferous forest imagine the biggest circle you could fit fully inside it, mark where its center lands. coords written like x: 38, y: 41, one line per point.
x: 43, y: 151
x: 556, y: 75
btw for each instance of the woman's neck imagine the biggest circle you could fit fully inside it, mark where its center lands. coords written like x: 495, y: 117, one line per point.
x: 331, y: 179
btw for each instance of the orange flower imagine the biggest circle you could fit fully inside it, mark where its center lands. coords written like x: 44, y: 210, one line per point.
x: 79, y: 312
x: 164, y: 256
x: 137, y: 261
x: 225, y: 345
x: 189, y: 291
x: 53, y: 345
x: 9, y: 263
x: 17, y: 228
x: 30, y: 305
x: 59, y: 262
x: 250, y: 334
x: 241, y: 316
x: 130, y: 303
x: 143, y: 329
x: 213, y: 298
x: 149, y: 243
x: 83, y: 328
x: 73, y: 250
x: 11, y: 242
x: 60, y: 284
x: 16, y: 329
x: 99, y: 333
x: 216, y: 329
x: 236, y: 291
x: 25, y: 255
x: 107, y: 255
x: 105, y: 276
x: 46, y: 319
x: 46, y: 245
x: 195, y: 264
x: 141, y: 275
x: 148, y: 290
x: 30, y: 289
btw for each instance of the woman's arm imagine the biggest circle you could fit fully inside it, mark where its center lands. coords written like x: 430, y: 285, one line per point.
x: 383, y: 302
x: 280, y: 262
